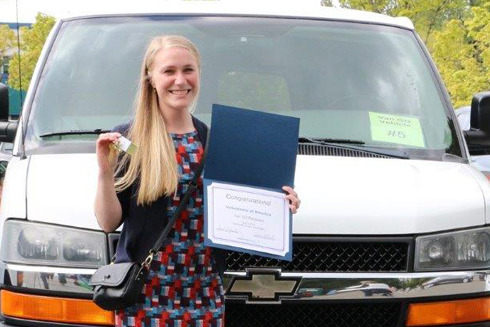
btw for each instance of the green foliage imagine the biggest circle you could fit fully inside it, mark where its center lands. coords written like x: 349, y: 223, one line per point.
x: 378, y: 6
x: 462, y: 53
x: 431, y: 15
x: 479, y: 34
x: 326, y: 3
x: 7, y: 38
x: 458, y: 64
x: 32, y: 41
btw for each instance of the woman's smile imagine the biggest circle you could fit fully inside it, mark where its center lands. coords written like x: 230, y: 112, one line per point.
x: 180, y: 92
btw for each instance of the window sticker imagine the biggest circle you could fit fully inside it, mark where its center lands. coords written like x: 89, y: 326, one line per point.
x: 396, y: 129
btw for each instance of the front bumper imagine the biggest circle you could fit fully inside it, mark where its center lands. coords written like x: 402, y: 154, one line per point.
x: 350, y: 299
x: 265, y: 287
x: 257, y: 285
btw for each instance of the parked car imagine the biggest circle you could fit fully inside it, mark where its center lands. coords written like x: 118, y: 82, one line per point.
x: 388, y: 194
x: 5, y: 156
x: 369, y: 289
x: 463, y: 278
x: 6, y: 151
x: 482, y: 162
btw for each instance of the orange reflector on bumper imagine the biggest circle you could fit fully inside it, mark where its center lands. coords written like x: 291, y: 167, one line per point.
x: 48, y: 308
x: 448, y: 312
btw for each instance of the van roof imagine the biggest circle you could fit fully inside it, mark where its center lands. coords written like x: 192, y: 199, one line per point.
x: 222, y: 8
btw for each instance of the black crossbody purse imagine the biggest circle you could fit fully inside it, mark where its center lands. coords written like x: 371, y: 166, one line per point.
x: 119, y: 285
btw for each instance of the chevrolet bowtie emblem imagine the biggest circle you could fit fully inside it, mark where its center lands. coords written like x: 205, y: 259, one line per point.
x: 263, y: 285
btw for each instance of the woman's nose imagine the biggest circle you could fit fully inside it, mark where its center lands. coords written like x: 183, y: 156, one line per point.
x: 180, y: 78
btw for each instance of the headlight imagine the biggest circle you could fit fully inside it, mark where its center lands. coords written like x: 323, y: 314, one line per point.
x: 33, y: 243
x: 469, y: 249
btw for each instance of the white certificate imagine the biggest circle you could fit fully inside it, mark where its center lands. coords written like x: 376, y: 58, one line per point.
x: 248, y: 218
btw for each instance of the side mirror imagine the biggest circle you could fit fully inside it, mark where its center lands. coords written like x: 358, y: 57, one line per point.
x: 7, y: 128
x: 478, y: 136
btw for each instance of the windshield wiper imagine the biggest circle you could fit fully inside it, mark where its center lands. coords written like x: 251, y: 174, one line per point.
x: 76, y: 132
x: 346, y: 144
x: 343, y: 141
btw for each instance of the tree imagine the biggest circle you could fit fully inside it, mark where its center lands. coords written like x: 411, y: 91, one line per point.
x: 7, y: 38
x: 431, y: 15
x: 32, y: 42
x: 479, y: 35
x: 462, y: 53
x: 378, y: 6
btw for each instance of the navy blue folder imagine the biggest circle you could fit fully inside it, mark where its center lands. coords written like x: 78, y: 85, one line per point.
x: 251, y: 148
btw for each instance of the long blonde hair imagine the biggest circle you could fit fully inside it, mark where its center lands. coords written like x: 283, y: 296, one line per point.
x: 153, y: 164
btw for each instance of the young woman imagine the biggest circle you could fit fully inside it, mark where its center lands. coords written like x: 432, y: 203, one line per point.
x: 184, y: 286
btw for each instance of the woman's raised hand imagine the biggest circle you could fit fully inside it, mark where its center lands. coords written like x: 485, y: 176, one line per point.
x: 106, y: 155
x: 292, y: 196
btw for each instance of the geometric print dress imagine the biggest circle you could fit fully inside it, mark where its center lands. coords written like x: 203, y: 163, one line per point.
x: 183, y: 287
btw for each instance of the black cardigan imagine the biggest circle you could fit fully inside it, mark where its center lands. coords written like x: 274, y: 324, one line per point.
x: 144, y: 224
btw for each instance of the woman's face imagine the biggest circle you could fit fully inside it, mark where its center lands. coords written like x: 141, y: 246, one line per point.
x: 175, y: 77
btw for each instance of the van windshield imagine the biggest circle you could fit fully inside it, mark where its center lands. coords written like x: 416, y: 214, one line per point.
x: 345, y: 81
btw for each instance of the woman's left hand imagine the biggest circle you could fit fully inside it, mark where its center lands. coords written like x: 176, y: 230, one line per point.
x: 292, y: 196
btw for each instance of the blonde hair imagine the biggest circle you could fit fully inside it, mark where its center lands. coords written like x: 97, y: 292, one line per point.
x: 153, y: 164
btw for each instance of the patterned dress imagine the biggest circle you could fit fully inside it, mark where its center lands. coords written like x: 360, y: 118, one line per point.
x: 183, y: 288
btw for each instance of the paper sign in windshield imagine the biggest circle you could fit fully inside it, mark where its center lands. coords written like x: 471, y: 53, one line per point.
x: 396, y: 129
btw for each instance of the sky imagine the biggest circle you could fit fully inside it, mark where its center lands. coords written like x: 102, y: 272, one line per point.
x: 60, y: 8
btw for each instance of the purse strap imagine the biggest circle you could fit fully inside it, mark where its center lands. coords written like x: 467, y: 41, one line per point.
x: 192, y: 185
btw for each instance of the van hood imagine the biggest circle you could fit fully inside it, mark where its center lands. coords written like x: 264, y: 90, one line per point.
x: 338, y: 195
x: 386, y: 196
x: 61, y: 189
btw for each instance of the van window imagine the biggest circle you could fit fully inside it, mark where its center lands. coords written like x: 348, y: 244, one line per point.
x: 343, y: 80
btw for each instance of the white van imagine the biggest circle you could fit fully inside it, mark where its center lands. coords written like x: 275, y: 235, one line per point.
x: 389, y: 201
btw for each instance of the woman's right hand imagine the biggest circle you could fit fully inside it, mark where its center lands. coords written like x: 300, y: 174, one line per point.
x: 105, y: 154
x: 108, y: 209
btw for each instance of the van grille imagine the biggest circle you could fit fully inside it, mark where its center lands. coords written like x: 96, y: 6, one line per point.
x: 326, y: 255
x: 325, y: 150
x: 331, y: 256
x: 313, y: 314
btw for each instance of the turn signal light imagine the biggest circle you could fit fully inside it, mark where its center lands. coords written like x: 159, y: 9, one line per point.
x: 448, y: 312
x: 46, y: 308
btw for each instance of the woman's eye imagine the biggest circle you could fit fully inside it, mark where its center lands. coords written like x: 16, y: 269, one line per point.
x: 189, y: 70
